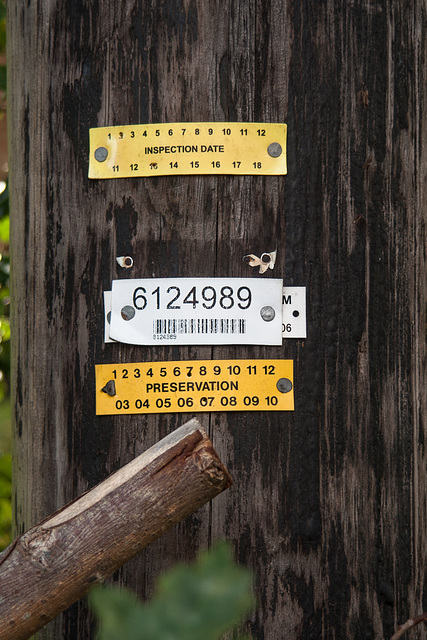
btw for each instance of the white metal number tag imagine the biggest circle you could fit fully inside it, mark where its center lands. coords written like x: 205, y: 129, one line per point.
x: 294, y: 312
x: 197, y: 311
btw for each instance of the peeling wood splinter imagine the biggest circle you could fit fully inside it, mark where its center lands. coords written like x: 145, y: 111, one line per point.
x: 266, y: 261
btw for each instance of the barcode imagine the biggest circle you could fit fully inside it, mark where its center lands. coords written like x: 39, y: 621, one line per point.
x: 199, y: 325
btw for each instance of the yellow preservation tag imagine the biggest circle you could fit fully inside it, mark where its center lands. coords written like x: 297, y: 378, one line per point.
x: 192, y: 386
x: 186, y: 148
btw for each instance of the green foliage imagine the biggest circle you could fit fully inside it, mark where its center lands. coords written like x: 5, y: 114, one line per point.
x: 5, y: 499
x: 195, y: 602
x: 3, y: 77
x: 4, y: 294
x: 5, y: 459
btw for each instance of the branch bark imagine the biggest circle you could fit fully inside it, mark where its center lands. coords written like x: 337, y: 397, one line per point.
x: 54, y: 564
x: 412, y: 622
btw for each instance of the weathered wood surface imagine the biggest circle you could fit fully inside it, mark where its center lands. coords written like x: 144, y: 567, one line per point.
x: 329, y: 502
x: 54, y: 564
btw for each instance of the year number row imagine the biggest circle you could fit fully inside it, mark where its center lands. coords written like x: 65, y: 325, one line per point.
x: 194, y: 164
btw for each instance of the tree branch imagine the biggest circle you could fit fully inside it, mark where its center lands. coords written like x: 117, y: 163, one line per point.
x: 54, y: 564
x: 412, y: 622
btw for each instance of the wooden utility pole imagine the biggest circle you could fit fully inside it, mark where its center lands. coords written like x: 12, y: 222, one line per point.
x: 329, y: 501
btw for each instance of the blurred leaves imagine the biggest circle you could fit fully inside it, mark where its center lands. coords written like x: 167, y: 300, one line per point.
x: 5, y: 459
x: 4, y: 201
x: 3, y: 77
x: 4, y: 294
x: 4, y: 233
x: 192, y: 602
x: 5, y: 499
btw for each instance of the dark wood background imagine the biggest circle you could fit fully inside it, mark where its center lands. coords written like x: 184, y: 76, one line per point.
x: 329, y: 502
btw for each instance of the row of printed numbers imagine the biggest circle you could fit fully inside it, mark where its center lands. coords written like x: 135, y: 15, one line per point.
x: 189, y: 371
x: 216, y: 164
x: 146, y: 133
x: 205, y: 401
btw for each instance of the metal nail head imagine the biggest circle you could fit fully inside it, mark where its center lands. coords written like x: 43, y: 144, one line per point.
x: 128, y: 312
x: 267, y: 314
x: 110, y: 388
x: 101, y: 154
x: 274, y: 150
x: 284, y: 385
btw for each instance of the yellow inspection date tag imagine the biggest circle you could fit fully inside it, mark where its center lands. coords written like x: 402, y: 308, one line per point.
x: 199, y: 385
x: 181, y: 148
